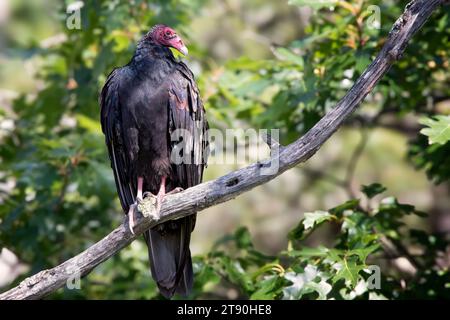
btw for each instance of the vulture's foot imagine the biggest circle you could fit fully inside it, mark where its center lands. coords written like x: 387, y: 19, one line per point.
x: 150, y: 206
x: 176, y: 190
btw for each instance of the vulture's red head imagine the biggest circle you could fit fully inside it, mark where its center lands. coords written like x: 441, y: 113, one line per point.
x: 166, y: 36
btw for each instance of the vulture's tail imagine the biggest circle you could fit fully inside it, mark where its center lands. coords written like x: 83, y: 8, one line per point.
x: 170, y: 257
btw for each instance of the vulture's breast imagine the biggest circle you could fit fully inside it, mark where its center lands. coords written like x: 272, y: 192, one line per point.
x: 144, y: 101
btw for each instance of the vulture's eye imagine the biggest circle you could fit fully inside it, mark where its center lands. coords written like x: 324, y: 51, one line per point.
x: 168, y: 33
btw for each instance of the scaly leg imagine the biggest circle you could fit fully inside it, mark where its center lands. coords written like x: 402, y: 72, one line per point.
x: 150, y: 206
x: 161, y: 195
x: 131, y: 211
x: 139, y: 190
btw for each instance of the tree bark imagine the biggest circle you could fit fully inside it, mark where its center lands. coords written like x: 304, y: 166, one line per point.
x: 233, y: 184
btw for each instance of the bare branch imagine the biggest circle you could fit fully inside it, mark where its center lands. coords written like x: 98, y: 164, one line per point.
x: 271, y: 142
x: 233, y: 184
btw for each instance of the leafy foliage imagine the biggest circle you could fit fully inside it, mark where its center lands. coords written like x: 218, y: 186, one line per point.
x: 350, y: 269
x: 311, y: 74
x: 372, y: 190
x: 64, y: 198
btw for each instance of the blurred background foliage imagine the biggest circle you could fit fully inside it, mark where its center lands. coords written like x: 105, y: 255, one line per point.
x: 259, y: 64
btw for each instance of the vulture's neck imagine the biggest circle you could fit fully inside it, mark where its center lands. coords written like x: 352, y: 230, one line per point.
x: 148, y: 50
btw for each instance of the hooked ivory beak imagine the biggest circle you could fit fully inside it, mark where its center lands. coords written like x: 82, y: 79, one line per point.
x: 184, y: 50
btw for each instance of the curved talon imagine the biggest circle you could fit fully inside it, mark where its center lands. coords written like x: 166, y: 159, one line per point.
x: 176, y: 190
x: 131, y: 218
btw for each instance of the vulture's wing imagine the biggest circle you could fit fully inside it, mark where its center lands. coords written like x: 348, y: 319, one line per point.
x: 187, y: 128
x: 112, y: 128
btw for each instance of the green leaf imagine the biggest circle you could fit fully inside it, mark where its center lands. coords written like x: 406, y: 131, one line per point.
x: 315, y: 218
x: 348, y: 205
x: 268, y: 288
x: 288, y: 55
x: 348, y: 269
x: 363, y: 253
x: 309, y: 281
x: 243, y: 238
x: 392, y: 205
x: 236, y: 273
x: 205, y: 276
x: 373, y: 189
x: 438, y: 130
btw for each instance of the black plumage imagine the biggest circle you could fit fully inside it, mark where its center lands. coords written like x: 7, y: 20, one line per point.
x: 142, y: 106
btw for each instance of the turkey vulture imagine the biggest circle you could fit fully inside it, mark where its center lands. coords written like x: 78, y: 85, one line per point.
x: 145, y: 105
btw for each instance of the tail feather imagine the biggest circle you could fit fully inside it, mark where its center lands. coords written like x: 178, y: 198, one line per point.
x: 186, y: 282
x: 170, y: 257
